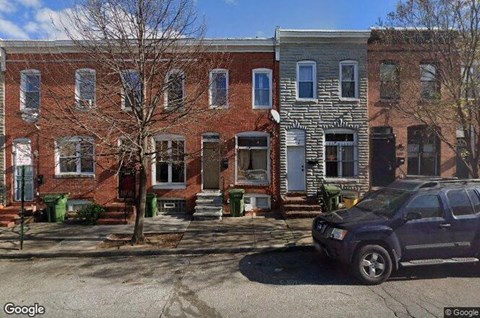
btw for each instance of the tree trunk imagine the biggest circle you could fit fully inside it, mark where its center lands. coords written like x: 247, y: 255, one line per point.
x: 138, y: 236
x: 475, y: 168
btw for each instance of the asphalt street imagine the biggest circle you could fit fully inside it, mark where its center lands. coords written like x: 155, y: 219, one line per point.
x: 295, y: 283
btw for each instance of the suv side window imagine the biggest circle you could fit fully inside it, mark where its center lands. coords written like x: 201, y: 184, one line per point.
x: 459, y: 202
x: 475, y: 200
x: 428, y: 206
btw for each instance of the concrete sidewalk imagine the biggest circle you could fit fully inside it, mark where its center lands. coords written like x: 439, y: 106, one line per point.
x: 230, y: 235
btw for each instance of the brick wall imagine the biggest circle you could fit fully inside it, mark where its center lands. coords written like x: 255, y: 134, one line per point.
x: 2, y: 139
x: 383, y: 113
x: 103, y: 187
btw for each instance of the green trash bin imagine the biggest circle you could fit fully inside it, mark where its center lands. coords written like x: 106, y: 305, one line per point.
x: 334, y: 197
x: 151, y: 208
x: 56, y: 207
x: 237, y: 204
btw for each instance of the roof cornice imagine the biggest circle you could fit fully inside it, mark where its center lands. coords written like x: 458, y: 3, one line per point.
x: 302, y: 36
x: 69, y: 46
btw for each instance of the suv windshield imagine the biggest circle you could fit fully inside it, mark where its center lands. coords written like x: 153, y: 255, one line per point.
x: 384, y: 201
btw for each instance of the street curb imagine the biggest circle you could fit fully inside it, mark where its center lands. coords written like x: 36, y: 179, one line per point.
x: 152, y: 252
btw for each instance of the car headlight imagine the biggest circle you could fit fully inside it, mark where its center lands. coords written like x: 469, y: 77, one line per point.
x: 338, y: 234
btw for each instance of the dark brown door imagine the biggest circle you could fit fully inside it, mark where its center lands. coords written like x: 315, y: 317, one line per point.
x: 211, y: 165
x: 126, y: 183
x: 383, y: 156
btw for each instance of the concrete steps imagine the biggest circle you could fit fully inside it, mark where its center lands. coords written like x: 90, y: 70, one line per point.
x: 208, y: 206
x: 7, y: 224
x: 8, y: 215
x: 298, y: 205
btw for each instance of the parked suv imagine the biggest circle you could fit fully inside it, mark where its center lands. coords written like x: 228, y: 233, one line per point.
x: 408, y: 223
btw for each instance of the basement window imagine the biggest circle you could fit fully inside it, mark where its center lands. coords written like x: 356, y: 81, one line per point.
x: 255, y: 201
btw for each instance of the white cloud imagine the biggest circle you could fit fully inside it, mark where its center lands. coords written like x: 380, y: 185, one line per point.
x: 7, y: 6
x: 260, y: 34
x: 30, y: 3
x: 32, y: 27
x: 50, y: 24
x: 11, y: 30
x: 231, y: 2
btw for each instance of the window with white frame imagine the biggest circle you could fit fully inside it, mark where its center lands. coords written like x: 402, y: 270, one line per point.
x: 306, y: 79
x: 349, y: 80
x: 340, y: 153
x: 253, y: 158
x: 75, y: 155
x: 219, y: 88
x: 262, y: 88
x: 132, y: 94
x: 429, y: 84
x: 30, y: 90
x: 77, y: 205
x: 254, y: 201
x: 169, y: 163
x: 175, y: 96
x: 85, y: 82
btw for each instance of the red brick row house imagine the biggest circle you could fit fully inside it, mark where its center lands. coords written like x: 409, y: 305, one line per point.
x: 236, y: 142
x: 233, y: 144
x: 401, y: 76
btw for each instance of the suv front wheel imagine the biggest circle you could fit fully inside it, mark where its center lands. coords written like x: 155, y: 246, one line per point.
x: 372, y: 264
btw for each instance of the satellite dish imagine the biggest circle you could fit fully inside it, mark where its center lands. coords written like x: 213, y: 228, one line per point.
x: 275, y: 116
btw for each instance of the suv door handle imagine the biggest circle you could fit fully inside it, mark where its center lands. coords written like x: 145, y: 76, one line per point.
x: 445, y: 225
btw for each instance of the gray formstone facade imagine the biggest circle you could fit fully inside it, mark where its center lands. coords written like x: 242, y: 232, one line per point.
x: 327, y: 112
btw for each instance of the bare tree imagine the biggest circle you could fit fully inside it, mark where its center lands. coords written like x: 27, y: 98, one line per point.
x: 149, y: 64
x: 445, y: 33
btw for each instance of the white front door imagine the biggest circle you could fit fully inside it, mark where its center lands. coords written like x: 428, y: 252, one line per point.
x: 22, y: 152
x: 296, y: 168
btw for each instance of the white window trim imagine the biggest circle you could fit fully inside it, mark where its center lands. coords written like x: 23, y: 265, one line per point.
x: 210, y: 90
x: 77, y: 87
x: 253, y: 134
x: 269, y: 74
x: 314, y: 67
x: 124, y: 108
x: 72, y: 203
x: 254, y: 196
x: 355, y: 72
x: 341, y: 143
x: 77, y: 140
x: 168, y: 185
x: 23, y: 75
x: 165, y: 95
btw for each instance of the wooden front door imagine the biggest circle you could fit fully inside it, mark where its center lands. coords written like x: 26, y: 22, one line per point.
x: 211, y: 165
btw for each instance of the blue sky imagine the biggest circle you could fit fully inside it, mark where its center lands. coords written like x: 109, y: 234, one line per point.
x: 23, y: 19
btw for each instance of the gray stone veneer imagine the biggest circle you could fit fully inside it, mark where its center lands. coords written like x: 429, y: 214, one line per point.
x: 328, y: 112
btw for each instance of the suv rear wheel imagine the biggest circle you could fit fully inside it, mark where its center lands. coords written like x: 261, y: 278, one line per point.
x: 372, y: 264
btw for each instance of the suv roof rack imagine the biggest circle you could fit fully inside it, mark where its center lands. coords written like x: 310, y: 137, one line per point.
x: 436, y: 183
x: 412, y: 184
